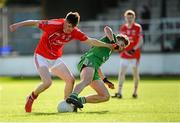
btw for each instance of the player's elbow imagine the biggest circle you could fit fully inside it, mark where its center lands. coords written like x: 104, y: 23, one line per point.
x: 107, y: 30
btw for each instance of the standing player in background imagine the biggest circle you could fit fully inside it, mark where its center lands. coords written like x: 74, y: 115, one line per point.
x: 131, y: 55
x: 47, y: 56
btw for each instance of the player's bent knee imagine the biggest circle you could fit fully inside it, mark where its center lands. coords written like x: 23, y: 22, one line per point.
x: 106, y: 97
x: 72, y: 80
x: 47, y: 84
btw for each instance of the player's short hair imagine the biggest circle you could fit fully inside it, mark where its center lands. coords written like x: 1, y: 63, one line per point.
x: 73, y: 18
x: 123, y: 38
x: 129, y: 12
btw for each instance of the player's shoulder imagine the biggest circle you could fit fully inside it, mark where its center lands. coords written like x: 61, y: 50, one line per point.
x: 123, y: 25
x: 78, y: 33
x: 59, y: 21
x: 77, y: 30
x: 137, y: 25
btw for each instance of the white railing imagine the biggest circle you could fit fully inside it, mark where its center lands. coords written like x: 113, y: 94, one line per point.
x: 159, y: 30
x: 162, y: 33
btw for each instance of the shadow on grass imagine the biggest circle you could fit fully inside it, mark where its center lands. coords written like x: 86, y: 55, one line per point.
x: 80, y: 112
x: 45, y: 113
x: 94, y: 112
x: 126, y: 98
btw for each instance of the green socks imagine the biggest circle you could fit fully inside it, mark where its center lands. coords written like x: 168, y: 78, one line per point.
x: 82, y: 100
x: 74, y: 95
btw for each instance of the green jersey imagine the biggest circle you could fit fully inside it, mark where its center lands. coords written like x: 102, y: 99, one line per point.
x: 102, y: 53
x: 96, y: 56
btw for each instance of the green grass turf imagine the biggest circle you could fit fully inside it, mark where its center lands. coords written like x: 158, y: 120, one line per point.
x: 159, y: 100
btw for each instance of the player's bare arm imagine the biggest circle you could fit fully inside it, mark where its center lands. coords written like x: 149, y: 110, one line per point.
x: 140, y: 43
x: 95, y: 42
x: 15, y: 26
x: 109, y: 33
x: 118, y: 46
x: 105, y: 80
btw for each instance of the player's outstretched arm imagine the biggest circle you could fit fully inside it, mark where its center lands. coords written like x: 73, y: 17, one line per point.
x: 101, y: 74
x: 95, y: 42
x: 15, y: 26
x: 109, y: 33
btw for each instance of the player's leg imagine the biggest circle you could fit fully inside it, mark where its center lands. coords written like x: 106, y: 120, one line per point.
x: 62, y: 71
x: 102, y: 93
x: 121, y: 77
x: 86, y: 77
x: 46, y: 80
x: 136, y: 77
x: 42, y: 68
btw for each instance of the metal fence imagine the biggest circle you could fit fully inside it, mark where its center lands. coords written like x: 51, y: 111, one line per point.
x: 163, y: 35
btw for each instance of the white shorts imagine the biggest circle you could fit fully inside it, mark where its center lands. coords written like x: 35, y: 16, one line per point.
x: 129, y: 62
x: 42, y: 61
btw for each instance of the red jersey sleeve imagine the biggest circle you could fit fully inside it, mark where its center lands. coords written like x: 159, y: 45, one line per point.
x: 50, y: 25
x: 78, y: 35
x: 139, y: 37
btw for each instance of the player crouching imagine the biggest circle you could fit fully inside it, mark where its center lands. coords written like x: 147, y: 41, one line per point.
x: 90, y: 74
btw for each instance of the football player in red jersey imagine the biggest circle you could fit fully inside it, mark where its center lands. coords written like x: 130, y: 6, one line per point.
x: 47, y: 56
x: 131, y: 55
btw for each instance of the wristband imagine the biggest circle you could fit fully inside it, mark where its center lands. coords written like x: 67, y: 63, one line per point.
x: 105, y: 80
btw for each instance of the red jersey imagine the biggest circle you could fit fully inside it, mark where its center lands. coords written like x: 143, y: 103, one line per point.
x: 134, y: 35
x: 53, y: 39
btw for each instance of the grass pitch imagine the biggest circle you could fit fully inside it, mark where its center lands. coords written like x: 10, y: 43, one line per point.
x: 159, y: 100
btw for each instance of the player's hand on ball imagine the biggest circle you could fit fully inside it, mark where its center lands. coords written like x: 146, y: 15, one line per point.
x: 13, y: 27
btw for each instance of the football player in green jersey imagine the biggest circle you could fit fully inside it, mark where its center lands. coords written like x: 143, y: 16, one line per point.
x: 90, y: 73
